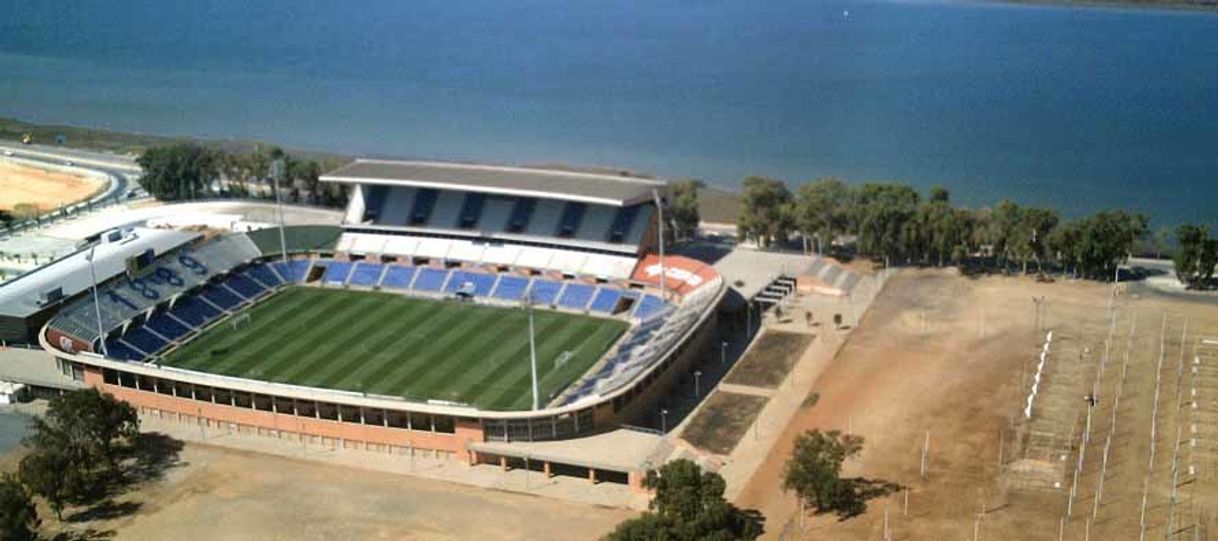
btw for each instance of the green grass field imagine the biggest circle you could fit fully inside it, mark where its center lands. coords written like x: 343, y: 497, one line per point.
x: 390, y: 344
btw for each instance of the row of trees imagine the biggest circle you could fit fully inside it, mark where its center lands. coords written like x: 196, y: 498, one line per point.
x: 76, y: 453
x: 184, y: 171
x: 893, y: 222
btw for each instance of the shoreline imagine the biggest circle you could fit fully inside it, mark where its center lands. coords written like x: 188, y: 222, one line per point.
x: 1123, y: 5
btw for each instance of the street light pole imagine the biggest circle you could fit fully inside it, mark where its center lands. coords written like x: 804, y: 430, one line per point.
x: 697, y: 384
x: 101, y: 333
x: 663, y: 420
x: 723, y: 353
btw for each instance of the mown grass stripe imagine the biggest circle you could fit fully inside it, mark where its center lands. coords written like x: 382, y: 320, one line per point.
x: 382, y: 351
x: 435, y: 351
x: 497, y: 384
x: 396, y: 345
x: 264, y: 323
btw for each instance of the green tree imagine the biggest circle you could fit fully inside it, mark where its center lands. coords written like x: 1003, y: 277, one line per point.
x: 1028, y: 241
x: 683, y: 207
x: 822, y: 210
x: 814, y: 470
x: 766, y: 209
x: 1190, y: 240
x: 75, y: 447
x: 56, y: 476
x: 689, y: 505
x: 179, y: 171
x: 1161, y: 241
x: 18, y: 516
x: 885, y: 218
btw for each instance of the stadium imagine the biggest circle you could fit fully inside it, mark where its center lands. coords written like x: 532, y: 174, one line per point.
x: 461, y: 309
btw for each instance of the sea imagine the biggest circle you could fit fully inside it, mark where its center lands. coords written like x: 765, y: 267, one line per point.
x: 1077, y: 108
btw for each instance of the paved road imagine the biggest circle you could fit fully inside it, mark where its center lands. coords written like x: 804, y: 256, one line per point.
x: 122, y: 170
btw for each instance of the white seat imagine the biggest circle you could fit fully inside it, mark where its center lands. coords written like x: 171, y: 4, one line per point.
x: 501, y: 254
x: 568, y: 262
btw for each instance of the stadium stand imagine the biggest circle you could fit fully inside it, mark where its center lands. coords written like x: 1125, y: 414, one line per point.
x: 471, y: 210
x: 398, y: 277
x: 511, y: 288
x: 430, y: 279
x: 244, y: 286
x: 605, y: 300
x: 264, y: 274
x: 336, y: 272
x: 522, y: 215
x: 166, y: 326
x: 576, y: 295
x: 194, y: 312
x: 366, y: 274
x: 221, y: 297
x: 544, y: 220
x: 571, y: 220
x: 483, y: 283
x: 143, y: 340
x: 544, y: 291
x: 649, y: 306
x: 424, y: 203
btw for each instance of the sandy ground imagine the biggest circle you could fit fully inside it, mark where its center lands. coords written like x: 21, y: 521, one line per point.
x: 950, y: 355
x: 222, y: 494
x: 46, y: 189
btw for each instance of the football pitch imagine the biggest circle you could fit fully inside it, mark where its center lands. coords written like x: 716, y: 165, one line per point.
x: 388, y: 344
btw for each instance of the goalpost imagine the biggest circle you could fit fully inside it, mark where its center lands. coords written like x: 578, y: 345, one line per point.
x: 240, y: 320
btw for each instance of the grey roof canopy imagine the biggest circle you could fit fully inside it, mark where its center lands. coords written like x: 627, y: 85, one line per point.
x: 595, y: 188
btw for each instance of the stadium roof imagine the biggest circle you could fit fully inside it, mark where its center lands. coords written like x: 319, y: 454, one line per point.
x: 595, y: 188
x: 20, y: 297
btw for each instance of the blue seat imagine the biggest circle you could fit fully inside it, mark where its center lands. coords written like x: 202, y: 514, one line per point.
x: 336, y: 272
x: 606, y: 300
x: 144, y: 340
x: 366, y: 274
x: 294, y: 270
x: 244, y: 286
x: 264, y: 275
x: 649, y: 305
x: 117, y: 350
x: 511, y: 287
x: 544, y: 291
x: 398, y: 277
x: 483, y: 283
x: 430, y: 279
x: 194, y: 311
x: 166, y: 326
x: 576, y: 296
x: 221, y: 297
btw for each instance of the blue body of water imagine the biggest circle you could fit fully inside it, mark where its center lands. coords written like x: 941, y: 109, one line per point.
x: 1077, y: 108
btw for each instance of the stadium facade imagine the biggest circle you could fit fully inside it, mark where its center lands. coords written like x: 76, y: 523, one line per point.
x: 573, y: 242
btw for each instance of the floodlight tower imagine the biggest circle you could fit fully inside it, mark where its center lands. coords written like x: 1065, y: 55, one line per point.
x: 655, y: 194
x: 101, y: 334
x: 277, y: 171
x: 528, y: 298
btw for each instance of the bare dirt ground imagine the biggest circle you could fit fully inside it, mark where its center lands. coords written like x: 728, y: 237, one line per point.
x: 45, y: 189
x: 221, y: 494
x: 953, y: 356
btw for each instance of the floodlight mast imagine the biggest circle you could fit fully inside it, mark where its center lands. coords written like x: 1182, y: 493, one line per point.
x: 101, y: 334
x: 277, y: 170
x: 533, y: 352
x: 655, y: 194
